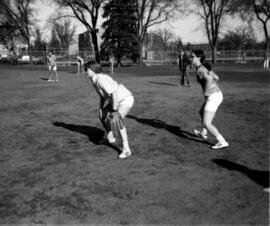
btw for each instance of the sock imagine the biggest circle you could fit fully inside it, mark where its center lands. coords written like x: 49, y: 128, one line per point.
x: 220, y: 138
x: 204, y: 131
x: 123, y: 133
x: 110, y: 134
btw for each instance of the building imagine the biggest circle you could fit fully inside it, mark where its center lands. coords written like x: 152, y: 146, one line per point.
x: 85, y: 43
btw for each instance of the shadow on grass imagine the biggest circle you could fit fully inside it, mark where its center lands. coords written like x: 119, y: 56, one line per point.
x: 44, y: 79
x: 164, y: 83
x: 258, y: 176
x: 156, y: 123
x: 94, y: 134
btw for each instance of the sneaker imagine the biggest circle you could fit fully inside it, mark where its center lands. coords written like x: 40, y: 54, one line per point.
x: 111, y: 139
x: 125, y: 153
x: 220, y: 145
x: 50, y: 80
x: 199, y: 134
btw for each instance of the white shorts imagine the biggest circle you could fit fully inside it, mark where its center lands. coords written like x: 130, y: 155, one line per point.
x: 52, y: 68
x: 127, y: 101
x: 213, y: 101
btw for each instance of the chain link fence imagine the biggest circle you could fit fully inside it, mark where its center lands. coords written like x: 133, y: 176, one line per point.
x: 149, y: 57
x: 224, y: 56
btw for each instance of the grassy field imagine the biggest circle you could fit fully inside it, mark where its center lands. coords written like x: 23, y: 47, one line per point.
x: 54, y: 171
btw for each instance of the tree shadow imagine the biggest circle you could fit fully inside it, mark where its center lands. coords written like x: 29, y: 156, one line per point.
x: 163, y: 83
x: 94, y: 134
x: 156, y: 123
x: 258, y: 176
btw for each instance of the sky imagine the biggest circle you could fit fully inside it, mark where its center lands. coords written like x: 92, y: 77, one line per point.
x: 189, y: 29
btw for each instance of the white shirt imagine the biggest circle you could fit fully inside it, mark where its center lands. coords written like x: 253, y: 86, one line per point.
x: 105, y: 86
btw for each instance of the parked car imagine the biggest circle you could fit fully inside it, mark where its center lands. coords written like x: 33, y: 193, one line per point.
x: 3, y: 58
x: 25, y: 59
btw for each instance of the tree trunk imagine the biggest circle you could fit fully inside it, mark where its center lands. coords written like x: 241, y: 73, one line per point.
x: 95, y: 45
x: 29, y: 51
x: 214, y: 54
x: 266, y: 46
x: 140, y: 47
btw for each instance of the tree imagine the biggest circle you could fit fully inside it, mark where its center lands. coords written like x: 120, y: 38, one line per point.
x: 19, y: 14
x: 119, y: 35
x: 250, y: 8
x: 7, y: 36
x: 64, y: 32
x: 238, y: 38
x: 54, y: 42
x: 166, y: 37
x: 39, y: 44
x: 212, y: 12
x: 87, y: 12
x: 152, y: 12
x: 7, y: 31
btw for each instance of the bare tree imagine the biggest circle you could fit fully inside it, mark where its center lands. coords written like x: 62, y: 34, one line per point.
x: 19, y: 14
x: 65, y: 33
x: 87, y: 12
x: 152, y: 12
x: 7, y: 31
x: 166, y: 37
x: 239, y: 37
x: 250, y: 8
x: 212, y: 12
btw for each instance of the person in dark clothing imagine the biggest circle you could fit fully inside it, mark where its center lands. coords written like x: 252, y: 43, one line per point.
x: 183, y: 62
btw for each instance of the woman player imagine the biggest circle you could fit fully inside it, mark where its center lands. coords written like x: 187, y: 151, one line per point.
x: 213, y: 98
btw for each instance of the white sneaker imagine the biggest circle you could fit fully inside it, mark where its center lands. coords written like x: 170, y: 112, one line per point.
x: 199, y: 134
x: 125, y: 153
x: 220, y: 145
x: 111, y: 139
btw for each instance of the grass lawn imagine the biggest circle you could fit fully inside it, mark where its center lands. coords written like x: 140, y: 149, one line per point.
x: 54, y: 171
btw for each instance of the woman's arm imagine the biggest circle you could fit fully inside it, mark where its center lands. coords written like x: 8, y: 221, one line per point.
x: 101, y: 102
x: 214, y: 75
x: 114, y: 101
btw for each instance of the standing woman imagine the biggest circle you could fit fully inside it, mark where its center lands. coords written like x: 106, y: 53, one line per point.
x: 51, y: 60
x: 213, y: 98
x: 111, y: 61
x: 79, y: 65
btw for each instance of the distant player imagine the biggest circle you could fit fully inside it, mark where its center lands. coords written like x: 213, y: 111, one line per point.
x: 266, y: 61
x: 115, y: 102
x: 183, y: 62
x: 52, y: 67
x: 111, y: 61
x: 213, y: 98
x: 79, y: 65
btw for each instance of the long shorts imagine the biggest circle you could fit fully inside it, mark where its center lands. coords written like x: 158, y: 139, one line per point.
x: 213, y: 101
x: 127, y: 101
x: 52, y: 68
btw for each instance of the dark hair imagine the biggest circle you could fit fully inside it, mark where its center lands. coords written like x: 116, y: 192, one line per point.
x: 207, y: 66
x: 199, y: 53
x: 93, y: 65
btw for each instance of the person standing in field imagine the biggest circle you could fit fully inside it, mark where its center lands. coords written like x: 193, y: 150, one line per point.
x: 213, y: 98
x: 111, y: 61
x: 79, y: 65
x: 115, y: 101
x: 52, y: 67
x: 183, y: 61
x: 266, y: 61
